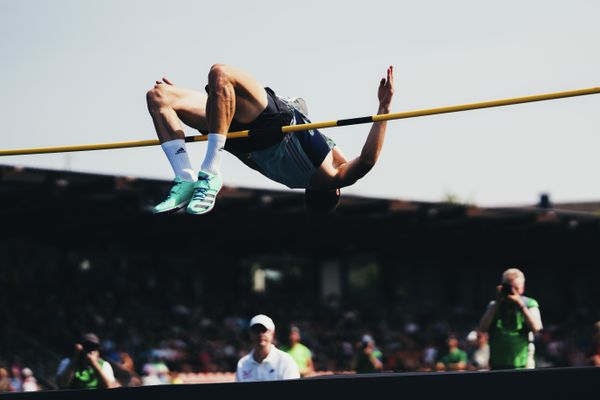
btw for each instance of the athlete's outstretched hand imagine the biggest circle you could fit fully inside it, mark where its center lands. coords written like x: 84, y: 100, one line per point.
x: 386, y: 91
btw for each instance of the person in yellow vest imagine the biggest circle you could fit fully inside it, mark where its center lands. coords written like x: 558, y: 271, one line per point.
x: 299, y: 352
x: 85, y: 369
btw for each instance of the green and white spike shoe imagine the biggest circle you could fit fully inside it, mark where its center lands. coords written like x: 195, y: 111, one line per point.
x: 179, y: 197
x: 205, y: 193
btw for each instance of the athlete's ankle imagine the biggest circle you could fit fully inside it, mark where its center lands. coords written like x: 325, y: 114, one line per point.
x: 212, y: 159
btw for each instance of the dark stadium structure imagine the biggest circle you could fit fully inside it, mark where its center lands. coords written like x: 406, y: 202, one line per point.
x: 442, y: 252
x: 382, y: 254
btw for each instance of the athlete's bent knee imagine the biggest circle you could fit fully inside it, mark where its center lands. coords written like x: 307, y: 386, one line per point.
x: 218, y: 77
x: 156, y: 98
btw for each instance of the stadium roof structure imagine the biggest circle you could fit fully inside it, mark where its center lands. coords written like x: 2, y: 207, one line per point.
x: 31, y: 190
x: 65, y: 208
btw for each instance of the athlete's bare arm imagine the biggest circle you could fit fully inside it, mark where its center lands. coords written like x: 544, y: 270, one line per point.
x: 335, y: 171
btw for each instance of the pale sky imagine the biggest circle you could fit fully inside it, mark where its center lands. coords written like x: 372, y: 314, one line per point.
x: 76, y: 72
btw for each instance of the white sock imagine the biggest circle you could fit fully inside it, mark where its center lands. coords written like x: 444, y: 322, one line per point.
x: 178, y: 157
x: 212, y: 159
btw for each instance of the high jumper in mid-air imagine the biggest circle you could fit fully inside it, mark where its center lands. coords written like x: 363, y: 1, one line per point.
x: 236, y: 101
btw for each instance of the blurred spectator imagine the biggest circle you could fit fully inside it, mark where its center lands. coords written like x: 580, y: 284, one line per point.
x: 124, y: 369
x: 128, y: 365
x: 368, y: 357
x: 299, y: 352
x: 16, y: 380
x: 555, y: 347
x: 594, y: 354
x: 403, y: 352
x: 511, y: 321
x: 265, y: 362
x: 5, y: 381
x: 30, y: 384
x: 86, y: 369
x: 429, y: 355
x: 454, y: 358
x: 156, y: 373
x: 175, y: 378
x: 154, y: 324
x: 479, y: 350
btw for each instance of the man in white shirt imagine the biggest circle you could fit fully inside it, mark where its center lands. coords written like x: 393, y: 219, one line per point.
x: 265, y: 362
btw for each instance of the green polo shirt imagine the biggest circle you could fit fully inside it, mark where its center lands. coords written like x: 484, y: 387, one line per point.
x: 300, y: 353
x: 509, y: 336
x: 454, y: 357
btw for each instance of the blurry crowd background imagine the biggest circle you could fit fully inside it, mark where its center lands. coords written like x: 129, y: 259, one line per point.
x: 155, y: 327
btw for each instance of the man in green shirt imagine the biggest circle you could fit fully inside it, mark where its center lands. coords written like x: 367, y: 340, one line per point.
x: 369, y: 358
x: 299, y: 352
x: 455, y: 359
x: 511, y: 321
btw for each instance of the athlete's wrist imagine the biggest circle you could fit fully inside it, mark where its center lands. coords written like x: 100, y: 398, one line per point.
x: 383, y: 109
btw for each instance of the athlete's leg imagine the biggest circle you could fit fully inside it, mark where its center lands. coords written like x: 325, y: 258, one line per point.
x: 232, y: 93
x: 169, y: 106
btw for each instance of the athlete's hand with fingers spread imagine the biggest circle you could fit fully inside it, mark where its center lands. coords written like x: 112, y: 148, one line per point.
x: 386, y: 91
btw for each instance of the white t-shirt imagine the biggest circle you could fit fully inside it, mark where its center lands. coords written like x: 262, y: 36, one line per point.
x: 276, y: 366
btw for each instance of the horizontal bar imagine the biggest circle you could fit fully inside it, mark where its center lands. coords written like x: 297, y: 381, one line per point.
x: 316, y: 125
x: 487, y: 104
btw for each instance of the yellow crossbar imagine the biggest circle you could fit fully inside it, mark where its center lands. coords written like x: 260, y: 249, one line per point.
x: 316, y: 125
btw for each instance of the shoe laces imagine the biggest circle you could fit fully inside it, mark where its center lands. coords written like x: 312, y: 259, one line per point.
x: 200, y: 192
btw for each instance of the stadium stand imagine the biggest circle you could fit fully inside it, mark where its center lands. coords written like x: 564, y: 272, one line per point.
x: 406, y: 272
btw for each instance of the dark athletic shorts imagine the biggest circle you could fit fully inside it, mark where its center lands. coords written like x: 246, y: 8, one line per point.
x: 267, y: 133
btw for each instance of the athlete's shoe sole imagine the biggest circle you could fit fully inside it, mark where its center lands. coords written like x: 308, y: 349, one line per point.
x: 180, y: 194
x: 173, y: 210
